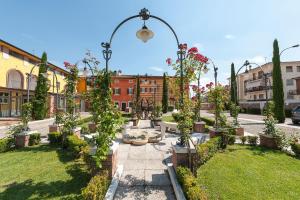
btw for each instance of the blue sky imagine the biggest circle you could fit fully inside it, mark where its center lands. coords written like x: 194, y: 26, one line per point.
x: 224, y: 30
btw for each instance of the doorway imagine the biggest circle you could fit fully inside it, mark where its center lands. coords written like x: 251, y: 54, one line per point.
x: 124, y: 105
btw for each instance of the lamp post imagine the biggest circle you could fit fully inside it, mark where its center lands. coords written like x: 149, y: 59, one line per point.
x: 145, y: 34
x: 294, y: 46
x: 216, y: 81
x: 45, y: 75
x: 246, y: 63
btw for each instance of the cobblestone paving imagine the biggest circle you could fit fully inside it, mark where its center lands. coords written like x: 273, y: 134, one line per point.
x: 145, y: 174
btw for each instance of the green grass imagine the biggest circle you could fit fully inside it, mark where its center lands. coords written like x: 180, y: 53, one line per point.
x: 168, y: 118
x: 244, y: 172
x: 40, y: 172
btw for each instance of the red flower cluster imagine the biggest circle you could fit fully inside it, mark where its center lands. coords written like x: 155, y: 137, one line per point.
x: 67, y: 64
x: 209, y: 85
x: 199, y: 57
x: 196, y: 89
x: 169, y: 61
x: 183, y: 46
x: 193, y: 50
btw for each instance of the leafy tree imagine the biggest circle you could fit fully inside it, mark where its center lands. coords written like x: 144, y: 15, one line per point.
x: 165, y: 94
x: 41, y: 91
x: 279, y: 113
x: 233, y: 86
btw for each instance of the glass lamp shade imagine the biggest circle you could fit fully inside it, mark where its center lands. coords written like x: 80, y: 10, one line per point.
x: 144, y: 34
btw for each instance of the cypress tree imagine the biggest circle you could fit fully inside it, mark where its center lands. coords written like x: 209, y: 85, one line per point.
x: 233, y: 85
x: 277, y: 85
x: 165, y: 94
x: 41, y: 91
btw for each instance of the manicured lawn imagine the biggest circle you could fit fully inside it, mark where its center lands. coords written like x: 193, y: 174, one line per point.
x: 41, y: 172
x: 168, y: 118
x: 244, y: 172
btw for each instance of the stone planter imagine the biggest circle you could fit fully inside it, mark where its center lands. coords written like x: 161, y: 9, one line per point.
x: 199, y: 127
x: 54, y: 128
x: 215, y: 133
x: 22, y: 139
x: 110, y: 164
x: 268, y: 141
x: 77, y: 131
x: 239, y: 131
x: 92, y: 127
x: 180, y: 155
x: 157, y: 121
x: 135, y: 121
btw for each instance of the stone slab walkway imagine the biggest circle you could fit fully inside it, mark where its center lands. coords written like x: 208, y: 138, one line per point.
x: 145, y: 173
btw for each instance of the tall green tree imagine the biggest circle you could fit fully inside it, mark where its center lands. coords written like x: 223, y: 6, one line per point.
x: 137, y: 103
x: 41, y: 91
x: 279, y: 113
x: 233, y: 85
x: 165, y: 96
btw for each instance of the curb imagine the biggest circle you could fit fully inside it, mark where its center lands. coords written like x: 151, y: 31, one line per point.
x: 176, y: 187
x: 114, y: 184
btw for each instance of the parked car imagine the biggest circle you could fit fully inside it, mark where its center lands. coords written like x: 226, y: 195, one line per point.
x: 296, y: 115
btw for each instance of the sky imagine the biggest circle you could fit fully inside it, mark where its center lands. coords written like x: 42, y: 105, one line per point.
x: 224, y: 30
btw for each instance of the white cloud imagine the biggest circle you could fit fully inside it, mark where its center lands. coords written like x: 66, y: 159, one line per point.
x: 158, y: 69
x: 258, y: 59
x: 199, y: 46
x: 229, y: 37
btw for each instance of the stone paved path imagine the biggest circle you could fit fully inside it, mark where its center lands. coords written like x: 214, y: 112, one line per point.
x: 145, y: 174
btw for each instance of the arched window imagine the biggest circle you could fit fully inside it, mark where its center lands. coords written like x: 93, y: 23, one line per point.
x: 33, y: 82
x: 14, y: 79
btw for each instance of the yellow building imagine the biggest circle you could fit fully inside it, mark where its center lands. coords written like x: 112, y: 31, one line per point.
x: 15, y: 67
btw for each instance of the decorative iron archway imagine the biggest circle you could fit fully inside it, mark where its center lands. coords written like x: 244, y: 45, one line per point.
x: 144, y: 14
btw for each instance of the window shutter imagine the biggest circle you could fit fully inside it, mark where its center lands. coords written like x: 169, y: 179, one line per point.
x: 120, y: 91
x: 113, y: 90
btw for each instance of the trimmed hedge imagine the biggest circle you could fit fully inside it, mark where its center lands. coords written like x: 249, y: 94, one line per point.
x: 6, y: 144
x: 171, y: 108
x: 84, y: 120
x: 75, y: 145
x: 206, y: 150
x: 296, y: 149
x: 252, y: 140
x: 191, y: 188
x: 208, y: 121
x: 55, y: 137
x: 255, y: 111
x: 34, y: 139
x: 97, y: 187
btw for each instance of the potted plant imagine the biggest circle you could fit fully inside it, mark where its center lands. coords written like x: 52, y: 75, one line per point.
x: 271, y: 137
x: 21, y: 131
x: 156, y: 115
x: 58, y: 120
x: 234, y: 109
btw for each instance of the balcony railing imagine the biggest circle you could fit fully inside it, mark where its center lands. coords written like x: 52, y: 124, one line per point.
x: 259, y: 88
x: 293, y: 92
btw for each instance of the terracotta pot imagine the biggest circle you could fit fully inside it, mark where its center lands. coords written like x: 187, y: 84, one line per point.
x: 239, y: 131
x: 268, y: 141
x: 53, y: 128
x: 199, y: 127
x: 22, y: 141
x: 92, y: 127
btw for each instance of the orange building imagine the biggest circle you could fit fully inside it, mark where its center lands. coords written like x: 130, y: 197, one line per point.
x: 123, y: 87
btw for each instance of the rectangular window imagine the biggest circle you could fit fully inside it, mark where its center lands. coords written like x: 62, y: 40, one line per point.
x: 260, y: 74
x: 143, y: 90
x: 117, y: 91
x: 289, y: 68
x: 261, y: 96
x: 130, y: 104
x: 146, y: 89
x: 289, y: 82
x: 151, y: 90
x: 130, y: 81
x: 129, y: 91
x: 4, y: 98
x: 298, y: 68
x: 116, y: 81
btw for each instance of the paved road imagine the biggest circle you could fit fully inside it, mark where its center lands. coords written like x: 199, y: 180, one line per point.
x: 254, y: 123
x: 41, y: 126
x: 145, y: 175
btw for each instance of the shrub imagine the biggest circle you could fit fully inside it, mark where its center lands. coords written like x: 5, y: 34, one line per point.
x: 176, y: 116
x: 6, y: 144
x: 55, y: 138
x: 243, y: 139
x: 170, y: 108
x: 208, y: 121
x: 97, y: 187
x: 190, y: 186
x: 206, y: 150
x: 231, y: 139
x: 252, y: 140
x: 85, y: 129
x: 75, y: 145
x: 34, y: 139
x: 296, y: 149
x: 84, y: 120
